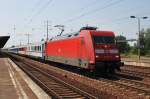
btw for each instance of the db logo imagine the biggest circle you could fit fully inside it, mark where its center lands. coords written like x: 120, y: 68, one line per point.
x: 59, y: 50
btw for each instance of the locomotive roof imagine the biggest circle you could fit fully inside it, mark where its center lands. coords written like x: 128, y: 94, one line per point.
x: 72, y: 34
x: 65, y: 36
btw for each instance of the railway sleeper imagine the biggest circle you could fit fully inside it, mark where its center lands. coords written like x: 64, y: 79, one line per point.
x: 64, y: 91
x: 52, y: 83
x: 70, y: 94
x: 57, y: 87
x: 58, y: 90
x: 76, y: 97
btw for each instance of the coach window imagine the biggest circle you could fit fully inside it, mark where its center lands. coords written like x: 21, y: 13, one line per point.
x: 32, y: 48
x: 39, y: 48
x: 35, y: 48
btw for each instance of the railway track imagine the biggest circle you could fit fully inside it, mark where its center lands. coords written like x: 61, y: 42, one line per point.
x: 53, y: 86
x: 136, y: 73
x: 130, y: 86
x: 138, y: 85
x: 136, y: 68
x: 121, y: 88
x: 143, y: 72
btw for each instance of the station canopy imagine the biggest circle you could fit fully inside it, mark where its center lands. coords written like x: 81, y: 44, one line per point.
x: 3, y: 40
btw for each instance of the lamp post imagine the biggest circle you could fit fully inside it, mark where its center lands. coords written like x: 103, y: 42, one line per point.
x: 139, y: 30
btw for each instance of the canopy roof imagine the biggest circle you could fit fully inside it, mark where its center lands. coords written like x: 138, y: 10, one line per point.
x: 3, y: 40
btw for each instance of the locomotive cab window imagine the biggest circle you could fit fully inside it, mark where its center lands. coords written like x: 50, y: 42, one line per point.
x: 104, y: 39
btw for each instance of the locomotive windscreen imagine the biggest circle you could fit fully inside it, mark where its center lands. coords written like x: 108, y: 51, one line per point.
x: 104, y: 39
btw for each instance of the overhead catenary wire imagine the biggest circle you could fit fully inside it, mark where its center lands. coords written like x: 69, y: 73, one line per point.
x: 84, y: 14
x: 93, y: 11
x: 40, y: 10
x: 37, y: 12
x: 119, y: 19
x: 34, y: 8
x: 89, y: 5
x: 37, y: 9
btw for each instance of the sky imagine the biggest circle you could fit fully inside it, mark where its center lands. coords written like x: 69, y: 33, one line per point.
x: 21, y: 17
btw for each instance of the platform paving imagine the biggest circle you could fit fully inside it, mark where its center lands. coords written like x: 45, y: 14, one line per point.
x: 15, y: 84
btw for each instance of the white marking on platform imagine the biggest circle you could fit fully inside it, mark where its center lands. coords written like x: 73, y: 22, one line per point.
x: 16, y: 84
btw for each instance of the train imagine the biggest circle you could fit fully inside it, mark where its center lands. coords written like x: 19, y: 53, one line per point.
x: 88, y: 49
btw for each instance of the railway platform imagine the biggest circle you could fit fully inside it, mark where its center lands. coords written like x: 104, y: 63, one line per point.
x: 136, y: 62
x: 15, y: 84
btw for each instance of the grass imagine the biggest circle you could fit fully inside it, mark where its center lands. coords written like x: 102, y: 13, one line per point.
x: 129, y: 55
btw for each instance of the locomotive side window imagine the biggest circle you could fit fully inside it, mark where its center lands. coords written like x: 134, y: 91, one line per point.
x: 104, y: 39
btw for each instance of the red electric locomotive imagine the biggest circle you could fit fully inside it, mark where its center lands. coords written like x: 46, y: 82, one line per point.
x: 89, y: 49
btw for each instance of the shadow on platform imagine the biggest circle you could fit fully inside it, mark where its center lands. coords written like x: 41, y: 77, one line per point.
x: 2, y: 55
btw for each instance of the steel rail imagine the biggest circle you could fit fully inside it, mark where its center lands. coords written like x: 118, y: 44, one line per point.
x: 83, y: 94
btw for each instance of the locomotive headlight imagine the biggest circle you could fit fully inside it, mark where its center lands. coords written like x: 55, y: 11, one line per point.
x: 117, y: 56
x: 97, y: 56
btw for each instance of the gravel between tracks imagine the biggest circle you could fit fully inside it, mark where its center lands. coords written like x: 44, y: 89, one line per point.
x: 98, y: 88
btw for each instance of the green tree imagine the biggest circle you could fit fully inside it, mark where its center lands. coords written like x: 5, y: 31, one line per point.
x: 134, y: 49
x: 122, y: 44
x: 142, y: 42
x: 147, y: 41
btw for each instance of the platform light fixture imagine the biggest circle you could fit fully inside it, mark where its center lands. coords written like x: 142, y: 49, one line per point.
x: 139, y: 30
